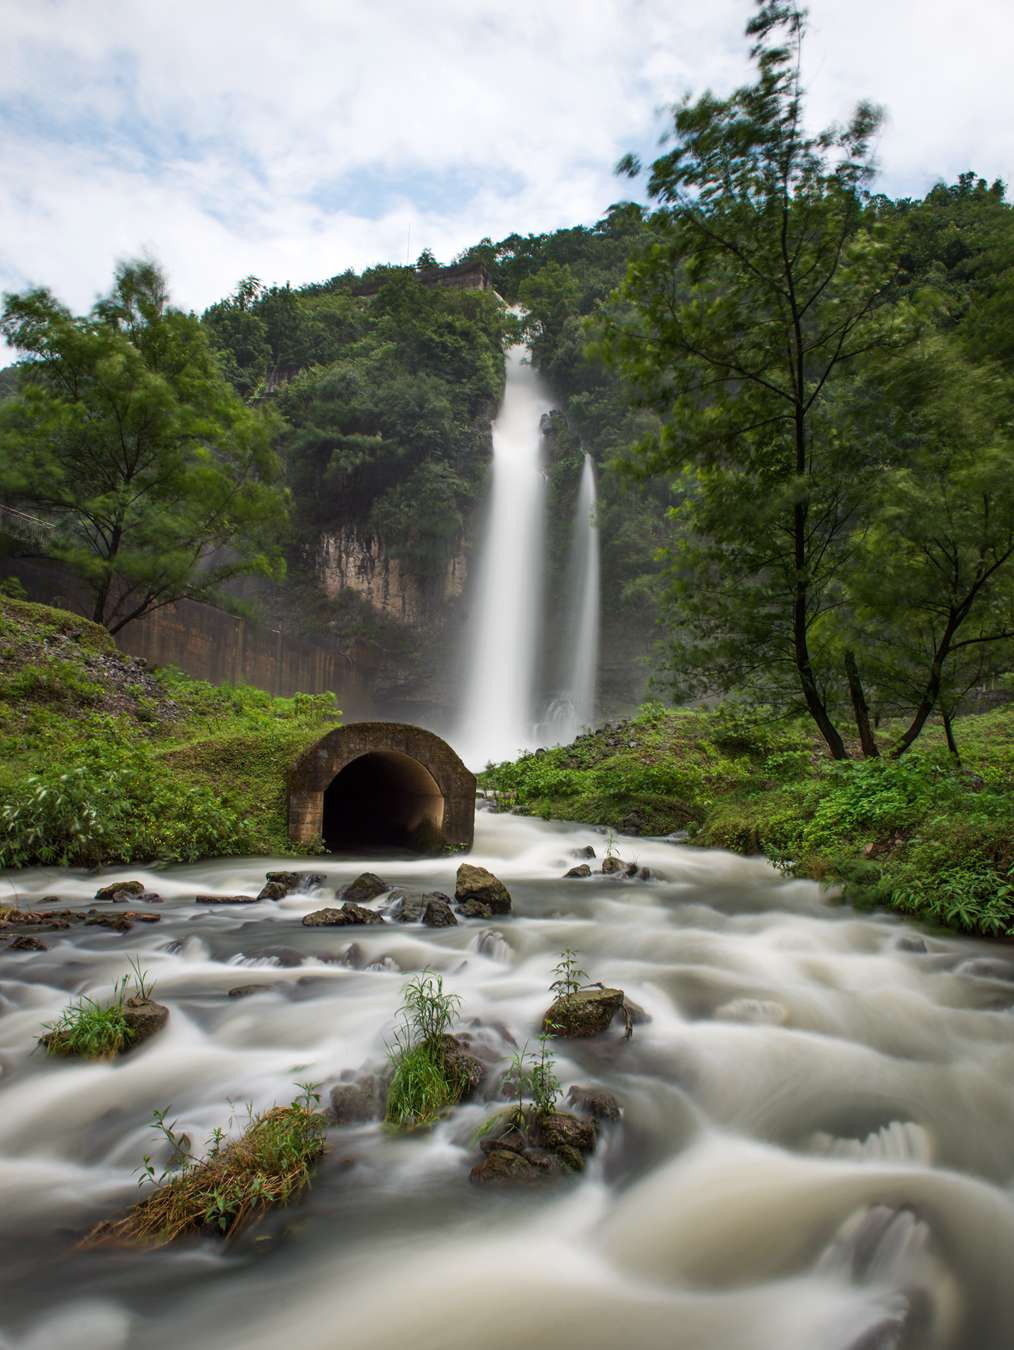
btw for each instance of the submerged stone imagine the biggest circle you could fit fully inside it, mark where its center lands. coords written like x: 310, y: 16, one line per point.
x: 595, y: 1102
x: 582, y: 870
x: 225, y: 899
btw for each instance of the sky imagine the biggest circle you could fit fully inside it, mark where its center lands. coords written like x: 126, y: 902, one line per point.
x: 291, y: 139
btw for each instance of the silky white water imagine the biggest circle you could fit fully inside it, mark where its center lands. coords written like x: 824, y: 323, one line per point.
x: 816, y: 1151
x: 573, y: 709
x: 496, y: 719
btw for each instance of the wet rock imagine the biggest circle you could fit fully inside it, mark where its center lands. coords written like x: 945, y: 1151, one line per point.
x: 24, y: 943
x: 586, y: 1013
x: 245, y: 990
x: 586, y: 852
x: 118, y: 923
x: 505, y: 1167
x: 912, y: 943
x: 461, y: 1067
x: 475, y: 909
x: 361, y: 1100
x: 348, y: 914
x: 582, y: 870
x: 438, y: 912
x: 225, y: 899
x: 594, y: 1102
x: 27, y: 918
x: 404, y: 908
x: 526, y: 1147
x: 120, y: 890
x: 367, y: 886
x: 644, y: 874
x: 984, y: 968
x: 145, y: 1018
x: 280, y: 884
x: 355, y: 957
x: 491, y: 944
x: 631, y: 870
x: 475, y: 883
x: 612, y: 865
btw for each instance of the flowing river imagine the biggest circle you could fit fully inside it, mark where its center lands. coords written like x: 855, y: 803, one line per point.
x: 816, y: 1151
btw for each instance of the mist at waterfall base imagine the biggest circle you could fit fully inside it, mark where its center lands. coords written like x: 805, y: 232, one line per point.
x: 502, y: 711
x: 816, y: 1150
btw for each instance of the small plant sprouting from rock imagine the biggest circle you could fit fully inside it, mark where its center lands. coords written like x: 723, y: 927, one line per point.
x: 569, y: 975
x: 533, y: 1080
x: 233, y: 1184
x: 421, y: 1088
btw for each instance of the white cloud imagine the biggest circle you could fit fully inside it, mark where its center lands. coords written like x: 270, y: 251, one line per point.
x: 295, y: 140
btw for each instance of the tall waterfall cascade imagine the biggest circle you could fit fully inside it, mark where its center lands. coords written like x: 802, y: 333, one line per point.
x: 496, y: 719
x: 502, y: 711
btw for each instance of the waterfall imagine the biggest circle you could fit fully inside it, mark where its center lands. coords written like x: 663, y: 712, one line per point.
x: 572, y: 708
x: 497, y: 711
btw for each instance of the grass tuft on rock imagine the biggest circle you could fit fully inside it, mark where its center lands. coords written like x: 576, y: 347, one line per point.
x: 90, y: 1029
x: 232, y: 1187
x: 422, y: 1087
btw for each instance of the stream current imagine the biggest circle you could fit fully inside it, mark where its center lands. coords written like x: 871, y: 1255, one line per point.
x: 816, y: 1152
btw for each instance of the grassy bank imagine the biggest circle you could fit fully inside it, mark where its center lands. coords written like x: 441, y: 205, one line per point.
x: 103, y: 760
x: 922, y: 834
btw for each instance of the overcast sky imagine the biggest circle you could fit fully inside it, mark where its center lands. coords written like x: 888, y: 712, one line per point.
x: 295, y: 138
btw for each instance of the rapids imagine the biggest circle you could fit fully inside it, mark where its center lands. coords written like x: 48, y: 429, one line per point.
x: 817, y: 1150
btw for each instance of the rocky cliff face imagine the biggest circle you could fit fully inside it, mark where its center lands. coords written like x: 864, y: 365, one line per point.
x: 345, y: 560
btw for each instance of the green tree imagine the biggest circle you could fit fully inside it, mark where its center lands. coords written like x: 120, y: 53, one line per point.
x: 157, y: 482
x: 766, y: 280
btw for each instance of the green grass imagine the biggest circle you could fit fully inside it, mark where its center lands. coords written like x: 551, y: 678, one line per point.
x: 923, y: 834
x: 232, y: 1186
x: 104, y: 761
x: 90, y: 1030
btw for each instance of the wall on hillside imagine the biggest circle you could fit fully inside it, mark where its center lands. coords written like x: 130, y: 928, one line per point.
x: 210, y: 644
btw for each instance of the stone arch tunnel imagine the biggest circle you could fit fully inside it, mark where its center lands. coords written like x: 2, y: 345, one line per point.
x: 381, y: 784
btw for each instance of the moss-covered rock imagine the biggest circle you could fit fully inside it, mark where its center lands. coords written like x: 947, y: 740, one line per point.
x: 589, y: 1012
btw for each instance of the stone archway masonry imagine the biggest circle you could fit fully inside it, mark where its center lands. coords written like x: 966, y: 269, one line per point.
x: 318, y: 767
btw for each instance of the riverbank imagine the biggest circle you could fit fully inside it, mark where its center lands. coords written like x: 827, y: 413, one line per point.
x: 104, y: 760
x: 924, y: 835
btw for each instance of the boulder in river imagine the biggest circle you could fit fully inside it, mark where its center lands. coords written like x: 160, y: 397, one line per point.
x: 367, y: 886
x: 245, y: 990
x: 613, y: 865
x: 475, y: 909
x: 581, y: 870
x: 337, y: 918
x: 588, y: 1012
x: 120, y: 890
x: 475, y: 883
x: 461, y: 1068
x: 438, y: 912
x: 404, y: 908
x: 586, y: 852
x: 529, y: 1147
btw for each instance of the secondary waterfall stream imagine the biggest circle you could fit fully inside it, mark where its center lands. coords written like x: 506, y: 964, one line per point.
x: 816, y: 1151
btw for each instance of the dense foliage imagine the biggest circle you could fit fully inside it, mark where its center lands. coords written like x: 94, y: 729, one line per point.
x: 102, y: 761
x: 151, y: 478
x: 923, y: 834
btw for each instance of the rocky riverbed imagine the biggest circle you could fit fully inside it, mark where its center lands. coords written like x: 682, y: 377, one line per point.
x: 807, y: 1141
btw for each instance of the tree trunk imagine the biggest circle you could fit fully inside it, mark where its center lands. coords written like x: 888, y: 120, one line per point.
x: 811, y: 694
x: 952, y: 744
x: 860, y: 708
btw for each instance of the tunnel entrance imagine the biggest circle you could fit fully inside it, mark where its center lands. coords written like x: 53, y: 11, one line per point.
x: 383, y: 800
x: 381, y: 785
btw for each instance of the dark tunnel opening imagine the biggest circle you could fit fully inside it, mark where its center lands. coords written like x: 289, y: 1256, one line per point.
x: 383, y: 800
